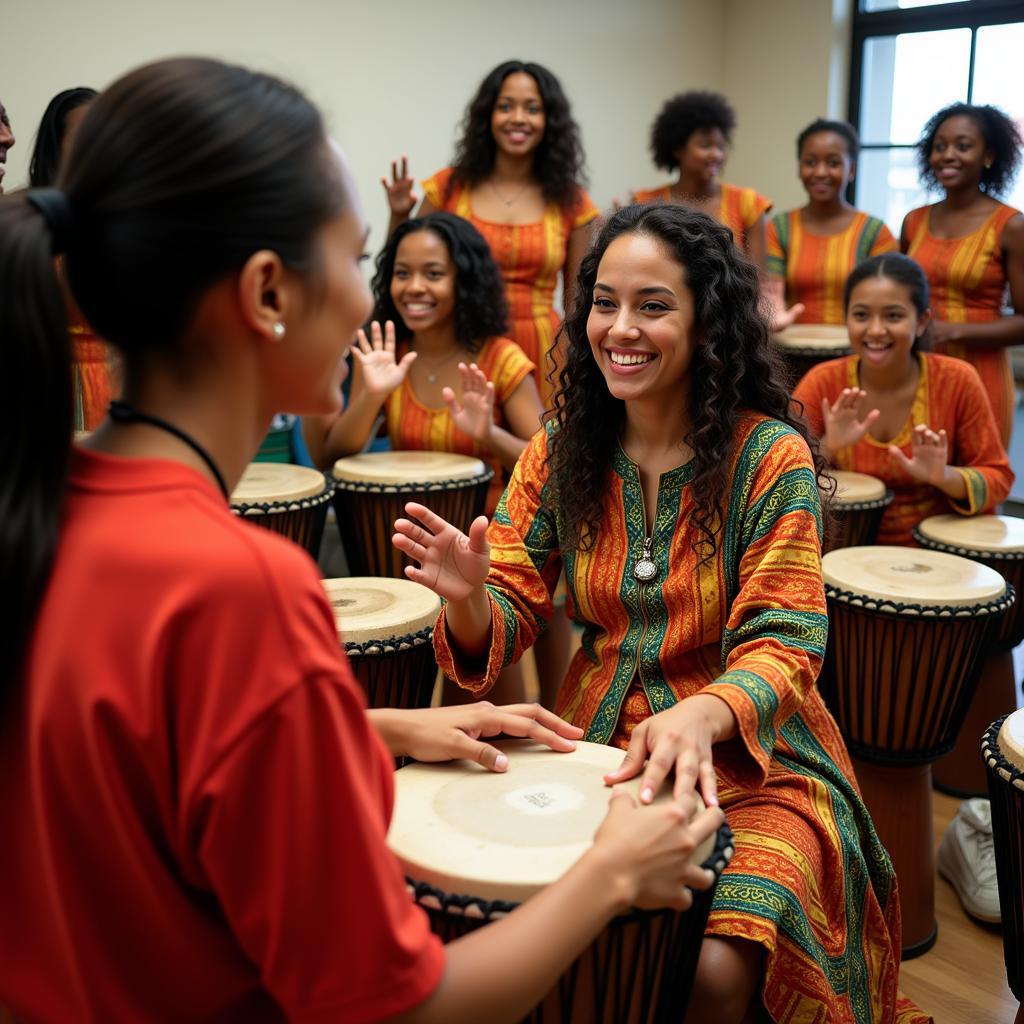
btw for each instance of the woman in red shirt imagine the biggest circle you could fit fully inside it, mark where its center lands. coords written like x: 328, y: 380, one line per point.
x: 193, y: 799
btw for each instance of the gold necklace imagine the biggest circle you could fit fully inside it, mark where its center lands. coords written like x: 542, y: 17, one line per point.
x: 515, y: 198
x: 432, y: 372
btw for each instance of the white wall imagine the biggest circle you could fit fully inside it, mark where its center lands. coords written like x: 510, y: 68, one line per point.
x: 392, y: 76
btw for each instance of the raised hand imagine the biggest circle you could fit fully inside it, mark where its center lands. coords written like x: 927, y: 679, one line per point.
x: 842, y: 425
x: 929, y: 455
x: 376, y: 359
x: 474, y: 415
x: 779, y: 317
x: 401, y: 199
x: 450, y: 563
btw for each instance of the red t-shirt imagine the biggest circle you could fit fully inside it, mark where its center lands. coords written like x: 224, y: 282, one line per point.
x: 193, y: 805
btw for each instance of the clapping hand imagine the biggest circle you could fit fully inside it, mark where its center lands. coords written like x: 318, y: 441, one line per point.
x: 401, y: 199
x: 474, y: 415
x: 779, y: 317
x: 376, y: 359
x: 842, y: 425
x: 929, y: 455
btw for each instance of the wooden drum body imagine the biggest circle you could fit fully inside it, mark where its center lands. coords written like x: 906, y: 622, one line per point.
x: 803, y: 346
x: 387, y: 628
x: 998, y: 542
x: 290, y: 500
x: 475, y: 844
x: 372, y: 491
x: 857, y: 507
x: 907, y: 629
x: 1003, y: 751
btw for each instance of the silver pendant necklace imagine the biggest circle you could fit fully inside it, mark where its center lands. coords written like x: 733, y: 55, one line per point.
x: 645, y: 568
x: 432, y: 373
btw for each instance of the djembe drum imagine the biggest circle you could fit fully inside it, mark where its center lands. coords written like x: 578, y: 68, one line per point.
x: 1003, y: 751
x: 387, y: 628
x: 998, y: 542
x: 907, y: 629
x: 856, y: 509
x: 372, y: 491
x: 805, y: 345
x: 475, y: 844
x: 290, y: 500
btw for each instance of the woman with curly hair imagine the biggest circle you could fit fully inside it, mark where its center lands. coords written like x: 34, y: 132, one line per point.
x: 518, y: 179
x: 811, y: 250
x: 440, y: 369
x: 680, y: 495
x: 691, y: 136
x: 971, y: 245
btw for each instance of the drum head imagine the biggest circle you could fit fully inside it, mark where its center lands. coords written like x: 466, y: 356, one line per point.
x: 995, y: 534
x: 505, y: 836
x: 367, y: 608
x: 852, y: 488
x: 268, y: 483
x: 912, y: 576
x: 1011, y: 739
x: 407, y: 467
x: 826, y: 337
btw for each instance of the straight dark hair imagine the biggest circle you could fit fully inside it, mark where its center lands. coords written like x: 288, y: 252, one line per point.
x: 42, y: 168
x: 894, y: 266
x: 181, y: 170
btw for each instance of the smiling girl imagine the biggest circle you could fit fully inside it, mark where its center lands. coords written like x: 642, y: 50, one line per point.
x: 681, y: 499
x: 916, y: 420
x: 971, y: 245
x: 812, y: 250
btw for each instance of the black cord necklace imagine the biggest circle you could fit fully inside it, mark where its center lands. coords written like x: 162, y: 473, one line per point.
x: 123, y: 412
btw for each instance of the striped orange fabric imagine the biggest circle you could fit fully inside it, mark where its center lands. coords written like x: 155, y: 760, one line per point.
x: 413, y: 425
x: 531, y: 256
x: 815, y: 267
x: 949, y: 397
x: 738, y: 208
x: 92, y: 377
x: 968, y: 282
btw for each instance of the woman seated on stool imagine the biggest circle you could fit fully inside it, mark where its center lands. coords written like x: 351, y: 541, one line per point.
x: 919, y: 422
x: 680, y: 496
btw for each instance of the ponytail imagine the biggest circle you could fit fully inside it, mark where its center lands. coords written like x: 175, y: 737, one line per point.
x: 35, y: 365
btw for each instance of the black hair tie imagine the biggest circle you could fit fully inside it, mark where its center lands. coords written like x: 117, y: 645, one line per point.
x: 56, y: 208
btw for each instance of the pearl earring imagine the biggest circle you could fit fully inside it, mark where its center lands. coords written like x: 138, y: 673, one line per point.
x: 279, y: 330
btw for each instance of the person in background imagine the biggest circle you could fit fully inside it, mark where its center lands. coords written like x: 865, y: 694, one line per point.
x: 971, y: 245
x: 811, y: 250
x: 7, y: 140
x: 56, y: 130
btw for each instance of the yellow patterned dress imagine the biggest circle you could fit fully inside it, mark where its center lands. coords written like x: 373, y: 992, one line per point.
x: 810, y: 881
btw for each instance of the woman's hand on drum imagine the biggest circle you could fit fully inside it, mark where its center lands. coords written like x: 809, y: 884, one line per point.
x: 929, y: 455
x: 843, y: 425
x: 401, y: 199
x: 450, y: 563
x: 474, y: 415
x: 779, y: 317
x: 453, y: 734
x: 379, y: 371
x: 649, y: 849
x: 680, y: 738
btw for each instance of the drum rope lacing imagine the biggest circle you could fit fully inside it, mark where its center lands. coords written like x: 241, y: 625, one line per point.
x: 241, y: 508
x: 413, y: 486
x: 930, y: 611
x: 393, y: 645
x: 994, y: 758
x: 979, y: 556
x: 839, y: 507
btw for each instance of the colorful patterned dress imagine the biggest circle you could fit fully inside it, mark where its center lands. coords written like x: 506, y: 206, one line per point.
x: 810, y: 881
x: 91, y: 376
x: 738, y: 208
x: 530, y: 256
x: 949, y: 397
x: 815, y: 267
x: 413, y: 425
x: 968, y: 282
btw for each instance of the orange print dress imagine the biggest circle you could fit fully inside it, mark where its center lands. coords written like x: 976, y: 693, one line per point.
x: 815, y: 267
x: 411, y: 425
x: 949, y: 397
x: 968, y: 282
x: 530, y: 257
x: 92, y: 376
x: 809, y: 882
x: 738, y: 208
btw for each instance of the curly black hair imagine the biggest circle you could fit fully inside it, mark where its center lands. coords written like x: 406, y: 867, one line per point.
x: 684, y: 114
x: 1002, y: 138
x: 734, y: 368
x: 481, y: 309
x: 42, y: 168
x: 558, y: 161
x: 843, y: 129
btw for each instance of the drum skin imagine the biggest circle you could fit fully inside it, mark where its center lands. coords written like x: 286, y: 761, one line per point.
x: 803, y: 346
x: 855, y: 510
x: 474, y: 843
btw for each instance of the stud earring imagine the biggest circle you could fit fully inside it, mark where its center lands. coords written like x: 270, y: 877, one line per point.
x: 988, y: 165
x: 279, y: 330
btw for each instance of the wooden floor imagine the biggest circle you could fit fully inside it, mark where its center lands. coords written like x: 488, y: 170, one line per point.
x: 962, y: 979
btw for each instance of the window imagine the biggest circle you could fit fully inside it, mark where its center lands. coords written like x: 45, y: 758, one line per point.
x: 912, y: 57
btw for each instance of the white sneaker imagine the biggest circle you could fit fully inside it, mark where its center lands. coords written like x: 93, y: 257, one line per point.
x: 967, y: 860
